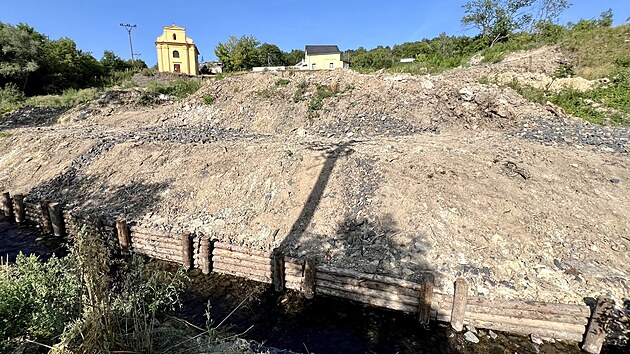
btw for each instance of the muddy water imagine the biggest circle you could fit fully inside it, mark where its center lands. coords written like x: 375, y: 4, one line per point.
x: 288, y: 321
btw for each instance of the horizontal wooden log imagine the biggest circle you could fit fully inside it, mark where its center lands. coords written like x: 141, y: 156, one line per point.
x: 258, y: 278
x: 239, y: 249
x: 293, y: 279
x: 393, y: 289
x: 241, y: 269
x: 155, y: 243
x: 155, y: 250
x: 373, y: 277
x: 241, y: 263
x: 526, y: 322
x: 393, y: 305
x: 157, y: 255
x: 293, y: 267
x: 573, y: 313
x: 534, y: 315
x: 167, y: 240
x: 293, y: 285
x: 542, y: 307
x: 525, y: 330
x: 408, y: 300
x: 241, y: 256
x: 152, y: 232
x: 289, y: 259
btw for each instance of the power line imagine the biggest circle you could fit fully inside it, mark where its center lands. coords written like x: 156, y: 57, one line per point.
x: 129, y: 28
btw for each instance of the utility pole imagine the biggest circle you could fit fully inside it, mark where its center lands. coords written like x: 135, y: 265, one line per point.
x: 129, y: 28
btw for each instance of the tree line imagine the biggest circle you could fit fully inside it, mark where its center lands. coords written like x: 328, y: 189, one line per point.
x: 34, y: 64
x: 497, y: 22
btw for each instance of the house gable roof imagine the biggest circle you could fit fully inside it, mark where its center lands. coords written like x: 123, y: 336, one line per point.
x: 322, y: 49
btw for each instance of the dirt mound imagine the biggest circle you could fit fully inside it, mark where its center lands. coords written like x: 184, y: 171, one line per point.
x: 383, y: 173
x: 31, y: 116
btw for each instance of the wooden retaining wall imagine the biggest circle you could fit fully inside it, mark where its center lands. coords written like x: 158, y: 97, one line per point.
x: 548, y: 320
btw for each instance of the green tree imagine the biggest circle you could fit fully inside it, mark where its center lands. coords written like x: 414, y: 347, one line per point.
x: 605, y: 19
x: 238, y: 53
x: 20, y: 48
x: 496, y: 20
x: 293, y: 57
x: 270, y: 55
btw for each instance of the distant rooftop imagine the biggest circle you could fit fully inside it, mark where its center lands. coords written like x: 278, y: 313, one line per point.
x: 322, y: 49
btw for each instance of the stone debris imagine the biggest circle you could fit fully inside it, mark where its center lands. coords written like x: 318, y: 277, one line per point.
x: 471, y: 337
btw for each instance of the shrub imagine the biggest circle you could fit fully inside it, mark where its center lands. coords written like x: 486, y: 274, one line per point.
x: 37, y: 298
x: 68, y: 98
x: 208, y: 99
x: 11, y: 98
x: 178, y: 88
x: 301, y: 90
x: 282, y: 82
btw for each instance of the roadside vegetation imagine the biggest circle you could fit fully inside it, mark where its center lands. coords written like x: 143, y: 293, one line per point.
x: 88, y: 303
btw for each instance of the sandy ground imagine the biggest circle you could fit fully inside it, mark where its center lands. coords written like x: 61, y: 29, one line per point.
x: 395, y: 175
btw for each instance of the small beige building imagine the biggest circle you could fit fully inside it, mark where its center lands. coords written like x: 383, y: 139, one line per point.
x: 326, y: 57
x: 176, y: 52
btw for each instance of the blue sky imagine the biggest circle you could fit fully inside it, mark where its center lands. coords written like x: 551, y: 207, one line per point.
x: 94, y: 24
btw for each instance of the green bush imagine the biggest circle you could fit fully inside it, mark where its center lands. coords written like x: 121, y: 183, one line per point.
x: 37, y: 298
x: 208, y: 99
x: 68, y: 98
x: 179, y: 88
x: 301, y: 90
x: 282, y: 82
x: 11, y: 98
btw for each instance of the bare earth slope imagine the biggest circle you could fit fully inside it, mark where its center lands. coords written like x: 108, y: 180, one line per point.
x: 394, y: 174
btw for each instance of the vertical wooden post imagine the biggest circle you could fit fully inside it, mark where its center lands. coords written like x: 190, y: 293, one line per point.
x: 204, y: 255
x: 18, y: 208
x: 7, y: 206
x: 459, y: 304
x: 187, y: 251
x: 425, y: 298
x: 56, y: 218
x: 124, y: 239
x: 308, y: 285
x: 278, y: 269
x: 596, y: 330
x: 45, y: 216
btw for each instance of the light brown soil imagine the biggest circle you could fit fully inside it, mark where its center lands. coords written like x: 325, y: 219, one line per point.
x: 395, y: 175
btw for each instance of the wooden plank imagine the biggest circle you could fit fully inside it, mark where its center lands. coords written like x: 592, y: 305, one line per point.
x: 151, y: 232
x: 242, y: 256
x: 278, y: 270
x: 18, y: 208
x: 59, y: 229
x: 205, y: 254
x: 157, y: 255
x: 293, y: 279
x: 293, y: 285
x: 187, y: 251
x: 459, y: 304
x: 243, y: 270
x: 173, y: 239
x: 425, y: 298
x: 393, y: 289
x: 7, y: 206
x: 308, y: 282
x: 373, y: 277
x: 295, y: 268
x: 155, y: 250
x: 258, y: 278
x: 407, y: 300
x: 46, y: 223
x: 239, y: 249
x: 525, y: 330
x: 535, y: 315
x: 542, y: 307
x: 155, y: 243
x: 596, y: 332
x: 393, y: 305
x: 525, y: 322
x: 238, y: 262
x: 123, y: 236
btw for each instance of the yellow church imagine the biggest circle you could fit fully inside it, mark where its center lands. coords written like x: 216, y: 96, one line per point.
x: 176, y: 52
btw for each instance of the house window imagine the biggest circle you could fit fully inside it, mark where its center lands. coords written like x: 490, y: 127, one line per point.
x: 175, y: 54
x: 331, y: 66
x: 313, y: 66
x: 174, y: 37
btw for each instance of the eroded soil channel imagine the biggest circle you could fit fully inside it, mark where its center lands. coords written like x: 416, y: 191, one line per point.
x: 287, y: 320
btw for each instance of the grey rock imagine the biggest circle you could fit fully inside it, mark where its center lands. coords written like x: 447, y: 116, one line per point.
x: 471, y: 337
